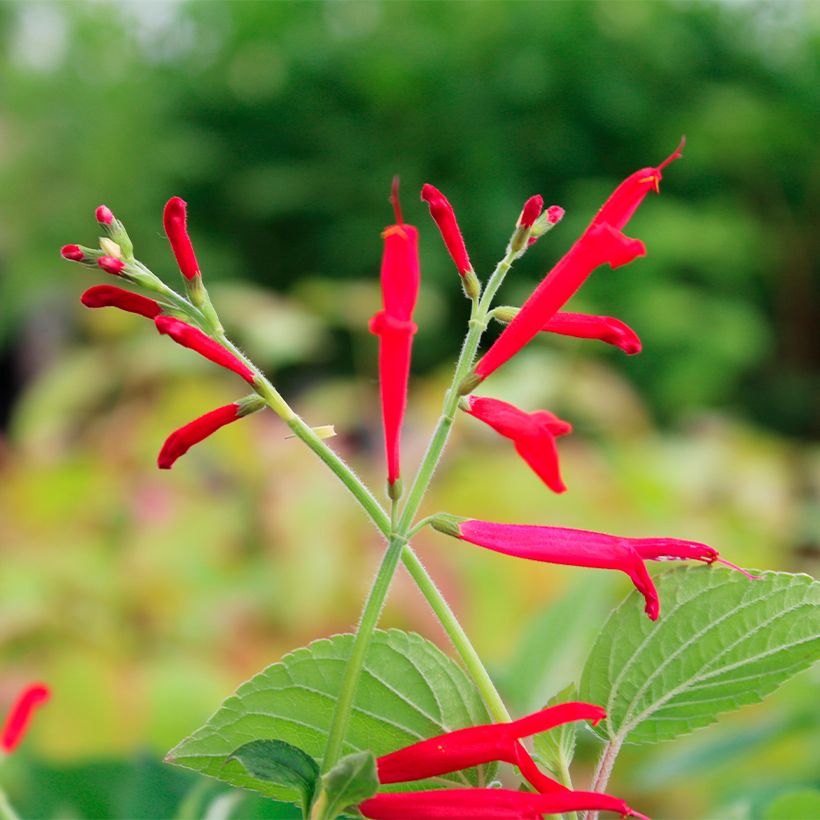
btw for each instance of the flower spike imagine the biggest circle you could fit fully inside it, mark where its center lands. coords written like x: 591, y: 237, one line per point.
x: 395, y: 328
x: 488, y: 804
x: 174, y: 219
x: 112, y: 296
x: 581, y: 548
x: 533, y: 434
x: 17, y: 722
x: 599, y: 244
x: 194, y: 339
x: 475, y: 745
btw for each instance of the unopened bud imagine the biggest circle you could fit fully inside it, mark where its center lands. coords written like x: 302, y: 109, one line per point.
x: 111, y: 264
x: 546, y: 222
x: 110, y: 247
x: 447, y: 523
x: 72, y: 252
x: 471, y: 285
x: 505, y: 313
x: 104, y: 215
x: 531, y: 211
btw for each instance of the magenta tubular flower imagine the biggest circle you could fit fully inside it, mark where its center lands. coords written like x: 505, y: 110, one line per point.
x: 73, y: 253
x: 112, y: 296
x: 488, y: 804
x: 104, y: 215
x: 110, y: 264
x: 444, y: 216
x: 475, y: 745
x: 582, y: 548
x: 625, y: 199
x: 531, y: 211
x: 599, y: 244
x: 19, y: 718
x: 180, y: 441
x: 395, y: 329
x: 174, y: 219
x: 194, y: 339
x: 533, y: 434
x: 603, y: 328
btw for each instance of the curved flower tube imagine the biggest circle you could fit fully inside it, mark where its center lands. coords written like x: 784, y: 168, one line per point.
x: 112, y: 296
x: 19, y: 718
x: 174, y: 220
x: 445, y: 218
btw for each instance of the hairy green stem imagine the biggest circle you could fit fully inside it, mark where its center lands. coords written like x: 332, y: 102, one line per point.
x: 603, y: 771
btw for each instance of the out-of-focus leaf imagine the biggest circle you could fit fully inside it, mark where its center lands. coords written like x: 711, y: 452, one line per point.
x: 722, y: 642
x: 797, y: 805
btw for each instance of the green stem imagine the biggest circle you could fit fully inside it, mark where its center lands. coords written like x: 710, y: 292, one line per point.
x: 604, y: 770
x: 457, y: 635
x: 6, y: 810
x: 361, y: 643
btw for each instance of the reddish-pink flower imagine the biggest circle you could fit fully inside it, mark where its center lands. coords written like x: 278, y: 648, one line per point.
x: 603, y: 328
x: 104, y: 215
x: 194, y: 339
x: 110, y: 264
x: 546, y: 222
x: 582, y: 548
x: 174, y: 219
x: 74, y: 253
x: 395, y: 328
x: 488, y: 804
x: 112, y: 296
x: 597, y: 245
x: 19, y: 717
x: 180, y: 441
x: 444, y: 216
x: 533, y: 434
x: 475, y: 745
x: 531, y: 211
x: 625, y: 199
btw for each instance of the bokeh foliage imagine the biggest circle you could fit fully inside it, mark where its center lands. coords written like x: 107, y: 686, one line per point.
x: 145, y: 597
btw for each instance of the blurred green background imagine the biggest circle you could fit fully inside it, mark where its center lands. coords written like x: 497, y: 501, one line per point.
x: 143, y: 597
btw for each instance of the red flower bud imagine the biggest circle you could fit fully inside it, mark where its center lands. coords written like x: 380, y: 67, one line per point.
x: 111, y: 296
x: 444, y: 216
x: 194, y: 339
x: 531, y: 211
x: 174, y: 219
x: 583, y: 548
x: 72, y: 252
x: 110, y: 264
x: 533, y: 434
x: 104, y: 215
x: 20, y: 715
x: 180, y: 441
x: 555, y: 213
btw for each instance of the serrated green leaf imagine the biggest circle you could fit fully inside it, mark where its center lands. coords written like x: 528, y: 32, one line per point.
x: 556, y: 748
x: 409, y: 690
x: 353, y: 779
x: 281, y: 763
x: 721, y: 642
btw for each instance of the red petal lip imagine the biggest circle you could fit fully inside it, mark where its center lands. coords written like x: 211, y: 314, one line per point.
x: 194, y: 339
x: 445, y: 218
x: 112, y: 296
x: 19, y: 717
x: 174, y: 220
x: 602, y: 328
x: 181, y: 440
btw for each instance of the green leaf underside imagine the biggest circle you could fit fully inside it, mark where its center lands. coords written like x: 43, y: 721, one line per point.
x: 353, y: 779
x: 275, y: 761
x: 721, y: 642
x: 556, y: 748
x: 409, y: 690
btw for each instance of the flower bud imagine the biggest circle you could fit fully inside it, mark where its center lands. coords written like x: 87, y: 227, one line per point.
x: 111, y: 265
x: 104, y: 215
x: 531, y: 211
x: 545, y: 223
x: 110, y: 247
x: 74, y: 253
x: 174, y: 219
x: 111, y: 296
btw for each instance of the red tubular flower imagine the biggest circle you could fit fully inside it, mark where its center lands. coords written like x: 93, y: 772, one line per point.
x: 603, y: 328
x: 73, y: 253
x: 531, y: 211
x: 194, y: 339
x: 104, y: 215
x: 111, y: 296
x: 533, y: 434
x: 174, y: 220
x: 180, y: 441
x: 582, y: 548
x: 488, y: 804
x: 395, y: 328
x: 19, y: 717
x: 475, y: 745
x: 444, y: 216
x: 625, y: 199
x: 597, y: 245
x: 110, y: 264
